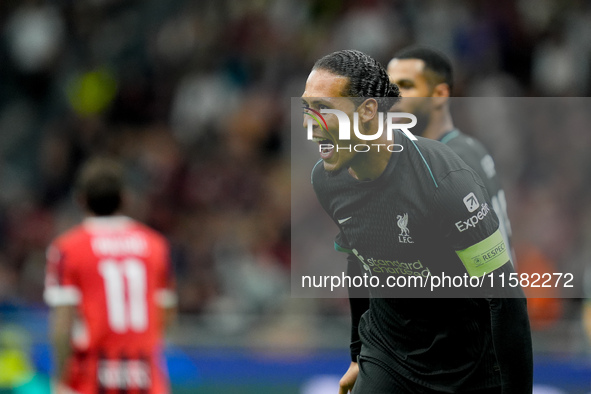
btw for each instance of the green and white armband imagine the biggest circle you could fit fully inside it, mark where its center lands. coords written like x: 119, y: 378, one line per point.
x: 485, y: 256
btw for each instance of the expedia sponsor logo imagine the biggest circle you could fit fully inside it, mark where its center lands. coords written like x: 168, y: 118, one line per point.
x: 489, y: 254
x: 473, y: 220
x: 471, y: 202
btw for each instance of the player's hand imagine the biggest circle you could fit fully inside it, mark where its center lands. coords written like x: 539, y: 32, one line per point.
x: 348, y: 379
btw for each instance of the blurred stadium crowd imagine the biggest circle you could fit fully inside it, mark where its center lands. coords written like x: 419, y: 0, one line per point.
x: 193, y: 96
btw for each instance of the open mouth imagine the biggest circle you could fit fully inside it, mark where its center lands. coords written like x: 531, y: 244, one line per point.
x: 326, y: 147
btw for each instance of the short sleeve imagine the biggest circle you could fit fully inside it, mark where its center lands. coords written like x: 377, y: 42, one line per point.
x: 61, y: 285
x: 468, y: 222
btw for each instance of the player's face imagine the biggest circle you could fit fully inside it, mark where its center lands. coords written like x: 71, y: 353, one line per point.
x: 324, y: 90
x: 409, y: 75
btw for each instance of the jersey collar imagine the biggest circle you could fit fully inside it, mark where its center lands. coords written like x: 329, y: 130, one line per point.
x: 450, y: 135
x: 107, y: 222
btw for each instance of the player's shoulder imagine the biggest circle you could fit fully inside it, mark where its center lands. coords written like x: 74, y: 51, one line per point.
x: 460, y: 142
x: 71, y: 237
x: 151, y: 234
x: 441, y: 158
x: 433, y: 147
x: 477, y: 156
x: 447, y: 167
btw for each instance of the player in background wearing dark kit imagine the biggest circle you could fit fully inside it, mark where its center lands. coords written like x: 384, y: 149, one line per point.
x: 398, y: 213
x: 110, y: 288
x: 425, y: 77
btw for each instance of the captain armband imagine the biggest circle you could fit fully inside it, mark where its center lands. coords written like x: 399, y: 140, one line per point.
x: 485, y: 256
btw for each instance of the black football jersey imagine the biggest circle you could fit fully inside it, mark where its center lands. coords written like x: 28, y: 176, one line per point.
x: 428, y: 214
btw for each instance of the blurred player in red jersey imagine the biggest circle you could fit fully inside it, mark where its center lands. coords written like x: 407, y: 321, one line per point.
x: 109, y: 285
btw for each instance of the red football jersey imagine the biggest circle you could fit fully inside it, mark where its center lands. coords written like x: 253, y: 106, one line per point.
x: 117, y: 271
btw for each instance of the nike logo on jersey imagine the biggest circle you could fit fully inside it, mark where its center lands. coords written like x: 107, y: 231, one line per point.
x: 341, y: 221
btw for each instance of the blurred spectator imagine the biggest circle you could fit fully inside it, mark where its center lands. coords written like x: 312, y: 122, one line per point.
x: 192, y: 98
x: 17, y: 373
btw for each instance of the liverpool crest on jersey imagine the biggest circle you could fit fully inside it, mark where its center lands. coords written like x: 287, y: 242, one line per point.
x: 404, y: 236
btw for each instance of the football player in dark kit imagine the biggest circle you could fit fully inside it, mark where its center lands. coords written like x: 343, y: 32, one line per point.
x: 425, y: 79
x: 409, y: 211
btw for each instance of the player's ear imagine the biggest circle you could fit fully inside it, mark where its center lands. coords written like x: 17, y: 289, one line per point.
x: 441, y: 94
x: 368, y: 110
x: 441, y: 90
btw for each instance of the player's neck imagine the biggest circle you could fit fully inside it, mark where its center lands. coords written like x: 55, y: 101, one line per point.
x: 367, y: 166
x: 92, y: 216
x: 440, y: 123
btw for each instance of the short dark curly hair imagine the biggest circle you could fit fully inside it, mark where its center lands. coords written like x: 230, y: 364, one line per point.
x: 367, y: 77
x: 435, y: 61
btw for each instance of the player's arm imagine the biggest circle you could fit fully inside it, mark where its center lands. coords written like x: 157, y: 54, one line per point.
x: 510, y: 329
x: 456, y: 199
x: 359, y: 303
x: 478, y: 158
x: 358, y: 297
x: 167, y: 302
x: 511, y: 332
x: 166, y: 297
x: 61, y: 322
x: 63, y: 297
x: 170, y: 316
